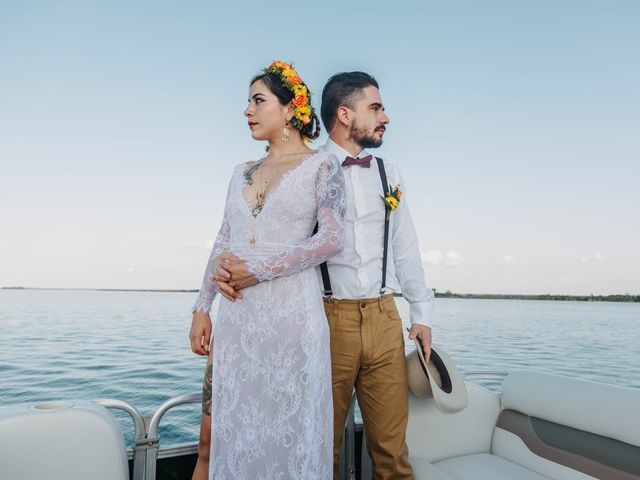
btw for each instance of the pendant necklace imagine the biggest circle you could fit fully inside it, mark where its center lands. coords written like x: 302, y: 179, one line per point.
x: 260, y: 198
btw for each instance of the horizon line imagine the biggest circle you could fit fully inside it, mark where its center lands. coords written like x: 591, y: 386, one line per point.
x: 447, y: 293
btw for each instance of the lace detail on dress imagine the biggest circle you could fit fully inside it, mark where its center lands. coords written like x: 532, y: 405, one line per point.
x: 327, y: 242
x: 208, y: 289
x: 272, y: 409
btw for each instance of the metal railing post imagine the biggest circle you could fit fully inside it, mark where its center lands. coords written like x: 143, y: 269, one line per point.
x: 348, y: 448
x: 138, y: 425
x: 153, y: 440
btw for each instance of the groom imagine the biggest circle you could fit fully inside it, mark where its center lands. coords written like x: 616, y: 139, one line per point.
x: 367, y: 344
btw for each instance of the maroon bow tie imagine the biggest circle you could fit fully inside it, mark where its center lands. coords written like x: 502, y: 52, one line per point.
x: 363, y: 162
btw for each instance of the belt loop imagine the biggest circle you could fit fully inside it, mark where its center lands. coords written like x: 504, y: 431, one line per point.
x: 380, y: 306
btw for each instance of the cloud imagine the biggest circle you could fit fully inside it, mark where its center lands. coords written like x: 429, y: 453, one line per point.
x: 197, y: 245
x: 131, y: 267
x: 448, y: 259
x: 594, y: 258
x: 508, y: 259
x: 432, y: 257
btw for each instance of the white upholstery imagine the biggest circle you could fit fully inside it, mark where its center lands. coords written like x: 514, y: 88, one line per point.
x: 484, y: 466
x: 425, y: 470
x: 469, y: 446
x: 594, y: 407
x: 61, y: 441
x: 465, y: 432
x: 510, y: 447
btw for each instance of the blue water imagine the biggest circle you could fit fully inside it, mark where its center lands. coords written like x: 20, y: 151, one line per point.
x: 133, y: 346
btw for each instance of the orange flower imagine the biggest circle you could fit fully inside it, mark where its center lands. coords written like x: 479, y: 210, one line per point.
x: 300, y: 100
x: 306, y: 120
x: 294, y: 80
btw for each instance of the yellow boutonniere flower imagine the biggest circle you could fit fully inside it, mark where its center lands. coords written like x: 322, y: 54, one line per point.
x: 392, y: 200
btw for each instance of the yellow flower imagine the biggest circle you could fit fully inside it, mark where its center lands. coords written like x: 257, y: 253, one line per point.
x: 392, y: 202
x: 287, y: 72
x: 304, y: 110
x: 300, y: 90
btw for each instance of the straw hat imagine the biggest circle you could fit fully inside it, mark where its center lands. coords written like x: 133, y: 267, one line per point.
x: 439, y: 379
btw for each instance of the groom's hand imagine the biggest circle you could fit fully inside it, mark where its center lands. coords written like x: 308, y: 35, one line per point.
x: 222, y: 276
x: 424, y: 334
x: 240, y: 276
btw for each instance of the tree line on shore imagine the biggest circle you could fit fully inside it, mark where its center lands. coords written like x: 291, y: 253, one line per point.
x: 627, y: 297
x: 572, y: 298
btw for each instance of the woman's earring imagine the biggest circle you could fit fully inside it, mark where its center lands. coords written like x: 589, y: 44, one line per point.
x: 285, y: 133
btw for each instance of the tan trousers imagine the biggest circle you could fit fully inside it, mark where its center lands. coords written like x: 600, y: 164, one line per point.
x: 367, y: 351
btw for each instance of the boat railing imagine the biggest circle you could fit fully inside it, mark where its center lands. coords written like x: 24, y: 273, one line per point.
x: 146, y: 450
x: 347, y: 450
x: 153, y: 437
x: 140, y: 436
x: 146, y: 438
x: 484, y: 374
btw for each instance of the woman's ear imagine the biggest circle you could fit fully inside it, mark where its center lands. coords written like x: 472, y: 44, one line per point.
x: 289, y: 112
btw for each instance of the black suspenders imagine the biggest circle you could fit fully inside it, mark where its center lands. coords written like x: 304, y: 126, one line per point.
x: 324, y: 270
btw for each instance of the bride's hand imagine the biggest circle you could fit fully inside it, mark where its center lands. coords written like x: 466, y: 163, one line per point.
x: 240, y: 276
x: 200, y: 333
x: 222, y: 277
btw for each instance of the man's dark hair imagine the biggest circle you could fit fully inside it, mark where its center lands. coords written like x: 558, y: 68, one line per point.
x: 343, y: 89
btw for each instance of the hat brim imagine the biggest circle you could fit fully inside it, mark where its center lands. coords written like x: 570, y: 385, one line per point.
x: 447, y: 384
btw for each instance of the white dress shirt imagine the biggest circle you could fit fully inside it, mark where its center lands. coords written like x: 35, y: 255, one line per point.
x: 356, y: 272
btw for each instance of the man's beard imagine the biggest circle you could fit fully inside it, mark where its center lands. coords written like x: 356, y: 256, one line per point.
x: 363, y: 138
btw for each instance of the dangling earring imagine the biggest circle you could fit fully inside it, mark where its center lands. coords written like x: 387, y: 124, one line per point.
x: 285, y: 133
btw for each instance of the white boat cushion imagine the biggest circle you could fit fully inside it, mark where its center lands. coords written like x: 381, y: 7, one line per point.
x: 65, y: 440
x: 484, y: 466
x: 599, y: 408
x: 433, y: 435
x: 511, y: 447
x: 423, y: 470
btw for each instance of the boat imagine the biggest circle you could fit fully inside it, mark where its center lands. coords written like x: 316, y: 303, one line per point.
x: 536, y: 426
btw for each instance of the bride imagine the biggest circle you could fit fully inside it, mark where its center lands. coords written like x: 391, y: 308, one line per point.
x: 272, y: 407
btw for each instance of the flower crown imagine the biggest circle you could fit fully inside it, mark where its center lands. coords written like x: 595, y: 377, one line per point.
x: 301, y: 95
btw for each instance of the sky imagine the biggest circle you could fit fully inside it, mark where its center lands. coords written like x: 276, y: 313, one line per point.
x: 515, y: 125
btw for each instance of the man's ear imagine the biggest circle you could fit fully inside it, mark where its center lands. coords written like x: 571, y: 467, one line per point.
x: 344, y: 115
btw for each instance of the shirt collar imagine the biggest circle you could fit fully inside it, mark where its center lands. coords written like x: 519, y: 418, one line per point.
x: 335, y: 149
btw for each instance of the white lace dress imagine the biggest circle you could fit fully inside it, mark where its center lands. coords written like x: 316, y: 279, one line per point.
x: 272, y: 414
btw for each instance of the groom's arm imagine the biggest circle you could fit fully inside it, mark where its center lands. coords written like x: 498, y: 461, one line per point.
x: 408, y: 262
x: 410, y: 274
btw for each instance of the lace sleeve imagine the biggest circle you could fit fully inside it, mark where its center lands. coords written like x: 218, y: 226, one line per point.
x: 208, y: 289
x: 327, y: 242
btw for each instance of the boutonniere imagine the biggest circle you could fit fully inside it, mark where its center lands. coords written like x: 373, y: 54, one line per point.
x: 392, y: 200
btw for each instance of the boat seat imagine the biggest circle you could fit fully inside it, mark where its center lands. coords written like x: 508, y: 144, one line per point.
x: 480, y: 466
x: 424, y: 469
x: 63, y: 440
x: 544, y: 427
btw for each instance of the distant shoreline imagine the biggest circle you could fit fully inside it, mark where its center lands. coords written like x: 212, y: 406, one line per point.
x: 475, y: 296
